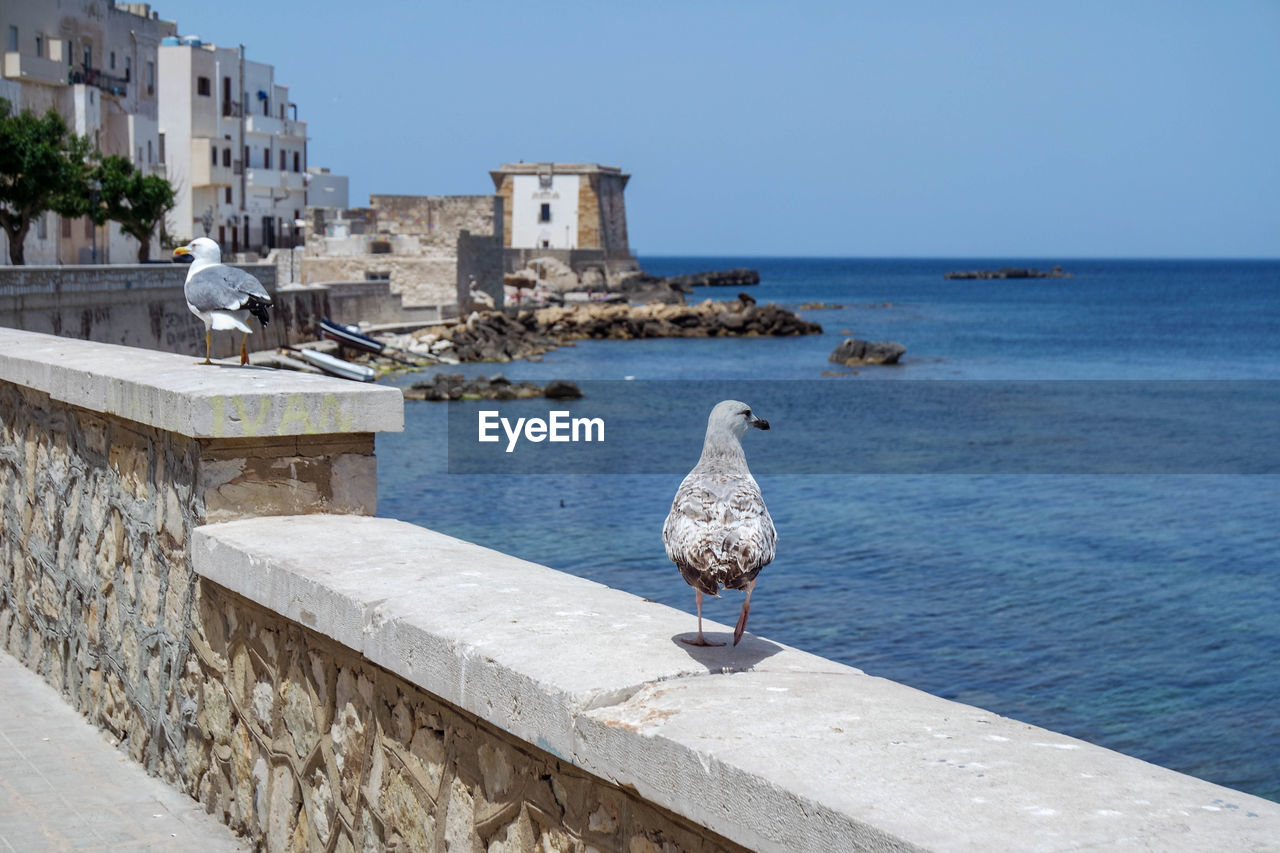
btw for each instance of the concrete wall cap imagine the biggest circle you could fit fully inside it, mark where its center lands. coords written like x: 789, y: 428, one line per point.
x: 174, y: 393
x: 772, y: 747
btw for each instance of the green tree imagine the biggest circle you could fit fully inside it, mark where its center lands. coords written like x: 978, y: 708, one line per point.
x: 127, y: 196
x: 43, y: 166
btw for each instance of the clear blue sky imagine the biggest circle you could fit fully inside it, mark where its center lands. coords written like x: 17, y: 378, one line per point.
x: 1104, y: 128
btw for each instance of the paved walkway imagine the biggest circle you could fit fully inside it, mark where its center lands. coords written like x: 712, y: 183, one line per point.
x: 64, y: 786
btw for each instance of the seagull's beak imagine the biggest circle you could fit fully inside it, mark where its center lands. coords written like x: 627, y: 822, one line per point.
x: 758, y: 423
x: 183, y: 254
x: 181, y: 250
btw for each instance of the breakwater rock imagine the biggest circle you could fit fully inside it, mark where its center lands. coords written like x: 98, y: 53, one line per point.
x: 454, y: 386
x: 1008, y: 272
x: 717, y: 278
x: 852, y: 352
x: 495, y: 336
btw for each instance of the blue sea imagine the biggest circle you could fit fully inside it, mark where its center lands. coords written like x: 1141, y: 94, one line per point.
x: 1139, y: 611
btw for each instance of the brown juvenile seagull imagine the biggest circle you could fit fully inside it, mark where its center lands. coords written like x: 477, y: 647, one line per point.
x: 719, y: 532
x: 222, y: 296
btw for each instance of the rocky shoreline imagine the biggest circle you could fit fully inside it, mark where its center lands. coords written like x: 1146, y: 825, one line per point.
x: 498, y: 336
x: 454, y: 386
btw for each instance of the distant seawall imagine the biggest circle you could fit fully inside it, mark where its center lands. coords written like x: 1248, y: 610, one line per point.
x: 190, y: 555
x: 142, y: 305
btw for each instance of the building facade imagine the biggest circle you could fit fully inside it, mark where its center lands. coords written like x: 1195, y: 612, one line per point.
x: 96, y: 64
x: 235, y: 150
x: 572, y: 212
x: 563, y: 206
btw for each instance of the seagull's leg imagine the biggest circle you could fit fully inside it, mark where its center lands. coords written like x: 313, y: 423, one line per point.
x: 208, y: 343
x: 742, y: 618
x: 244, y: 349
x: 701, y: 641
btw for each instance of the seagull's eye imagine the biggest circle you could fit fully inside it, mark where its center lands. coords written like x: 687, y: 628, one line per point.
x: 746, y: 413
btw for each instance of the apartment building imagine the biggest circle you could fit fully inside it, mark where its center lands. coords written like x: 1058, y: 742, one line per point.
x: 235, y: 150
x: 96, y: 64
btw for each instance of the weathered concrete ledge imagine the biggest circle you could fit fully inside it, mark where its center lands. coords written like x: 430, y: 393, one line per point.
x: 162, y: 390
x: 770, y: 747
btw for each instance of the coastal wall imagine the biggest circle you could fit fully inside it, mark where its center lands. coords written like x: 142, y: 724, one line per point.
x: 189, y: 555
x: 412, y: 242
x: 143, y: 306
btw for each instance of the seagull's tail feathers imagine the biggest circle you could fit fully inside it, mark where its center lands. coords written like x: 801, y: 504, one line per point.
x: 258, y: 307
x: 705, y: 582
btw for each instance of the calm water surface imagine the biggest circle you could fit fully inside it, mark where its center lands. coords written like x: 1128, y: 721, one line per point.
x: 1135, y: 611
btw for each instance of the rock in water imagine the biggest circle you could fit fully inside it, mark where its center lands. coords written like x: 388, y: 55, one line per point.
x: 562, y: 389
x: 853, y: 352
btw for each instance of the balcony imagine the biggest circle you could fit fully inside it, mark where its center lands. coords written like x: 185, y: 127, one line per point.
x: 34, y: 69
x: 275, y: 126
x: 273, y: 179
x: 231, y: 109
x: 109, y: 83
x: 204, y: 172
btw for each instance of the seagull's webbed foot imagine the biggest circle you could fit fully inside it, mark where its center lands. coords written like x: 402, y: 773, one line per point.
x: 700, y: 641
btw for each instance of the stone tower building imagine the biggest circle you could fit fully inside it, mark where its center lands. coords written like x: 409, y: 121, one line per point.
x: 573, y: 212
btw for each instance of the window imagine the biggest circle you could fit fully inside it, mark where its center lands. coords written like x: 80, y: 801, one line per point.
x: 282, y: 156
x: 203, y: 86
x: 297, y: 160
x: 151, y: 78
x: 161, y: 147
x: 226, y: 157
x: 128, y: 69
x: 150, y: 152
x: 228, y: 195
x: 246, y: 155
x: 66, y: 228
x: 214, y: 150
x: 113, y: 60
x: 266, y: 158
x: 13, y: 38
x: 544, y: 215
x: 88, y: 57
x: 40, y: 46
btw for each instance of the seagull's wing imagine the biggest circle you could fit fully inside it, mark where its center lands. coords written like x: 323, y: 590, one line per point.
x: 223, y: 288
x: 719, y: 531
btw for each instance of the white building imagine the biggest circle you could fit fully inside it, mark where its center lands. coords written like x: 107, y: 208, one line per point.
x: 327, y: 190
x: 95, y: 63
x: 234, y: 148
x: 563, y: 206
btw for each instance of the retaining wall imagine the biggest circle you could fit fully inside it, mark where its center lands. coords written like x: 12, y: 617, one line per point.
x: 189, y: 554
x: 143, y: 306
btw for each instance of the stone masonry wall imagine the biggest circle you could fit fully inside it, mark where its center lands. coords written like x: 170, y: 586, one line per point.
x: 96, y: 588
x: 309, y: 747
x: 418, y: 280
x: 287, y: 736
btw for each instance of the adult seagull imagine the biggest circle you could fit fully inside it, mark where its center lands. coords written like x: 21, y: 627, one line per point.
x: 222, y: 296
x: 719, y: 532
